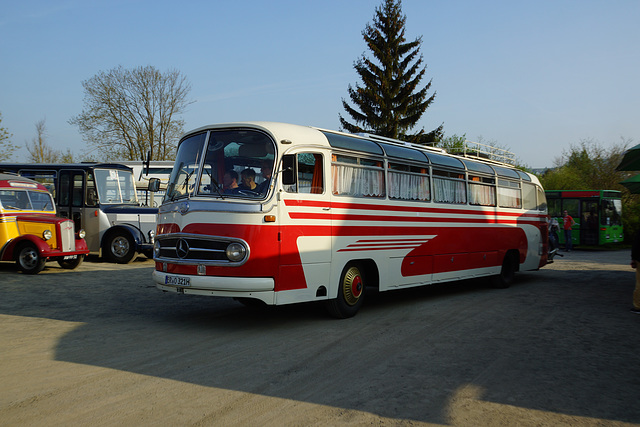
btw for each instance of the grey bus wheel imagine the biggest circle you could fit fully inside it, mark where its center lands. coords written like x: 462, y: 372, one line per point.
x: 120, y: 247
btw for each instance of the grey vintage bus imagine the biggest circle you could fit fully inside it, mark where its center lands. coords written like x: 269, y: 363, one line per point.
x: 101, y: 199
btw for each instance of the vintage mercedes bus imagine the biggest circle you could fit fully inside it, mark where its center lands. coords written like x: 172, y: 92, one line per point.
x: 283, y: 214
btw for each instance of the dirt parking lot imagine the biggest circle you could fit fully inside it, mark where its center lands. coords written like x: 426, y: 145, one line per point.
x: 102, y: 346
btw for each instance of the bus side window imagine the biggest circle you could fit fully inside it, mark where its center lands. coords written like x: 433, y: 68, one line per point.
x: 529, y: 196
x: 64, y: 188
x: 302, y: 173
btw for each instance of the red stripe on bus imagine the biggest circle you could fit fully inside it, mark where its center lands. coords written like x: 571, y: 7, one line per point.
x: 379, y: 207
x: 386, y: 218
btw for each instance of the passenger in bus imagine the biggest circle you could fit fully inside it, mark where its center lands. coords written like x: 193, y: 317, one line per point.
x: 230, y: 182
x: 248, y: 180
x: 266, y: 170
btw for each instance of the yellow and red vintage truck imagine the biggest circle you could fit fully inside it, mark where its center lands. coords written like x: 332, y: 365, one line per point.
x: 30, y: 232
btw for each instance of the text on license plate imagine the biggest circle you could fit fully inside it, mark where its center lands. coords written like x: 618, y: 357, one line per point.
x: 177, y: 281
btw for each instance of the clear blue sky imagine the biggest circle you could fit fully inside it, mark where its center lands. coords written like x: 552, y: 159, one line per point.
x: 534, y: 76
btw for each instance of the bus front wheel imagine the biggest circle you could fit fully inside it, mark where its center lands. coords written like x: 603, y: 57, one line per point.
x: 350, y: 293
x: 120, y: 247
x: 29, y: 259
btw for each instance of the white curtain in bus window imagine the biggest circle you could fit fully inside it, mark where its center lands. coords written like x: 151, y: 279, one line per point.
x: 448, y: 187
x: 357, y: 181
x: 509, y: 194
x: 482, y: 194
x: 408, y: 187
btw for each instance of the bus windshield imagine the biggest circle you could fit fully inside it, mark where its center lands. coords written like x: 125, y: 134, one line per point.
x: 234, y: 164
x: 611, y: 212
x: 115, y: 187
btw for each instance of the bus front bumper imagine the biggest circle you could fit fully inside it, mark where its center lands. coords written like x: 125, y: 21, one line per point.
x: 261, y: 288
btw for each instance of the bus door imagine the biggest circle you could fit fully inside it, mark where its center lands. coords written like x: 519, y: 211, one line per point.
x: 305, y: 212
x: 589, y: 222
x: 71, y: 196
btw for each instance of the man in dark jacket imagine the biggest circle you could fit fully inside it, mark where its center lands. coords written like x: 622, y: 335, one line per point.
x: 635, y: 263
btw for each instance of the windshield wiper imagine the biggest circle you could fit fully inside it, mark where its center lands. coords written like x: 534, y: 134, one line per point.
x: 215, y: 184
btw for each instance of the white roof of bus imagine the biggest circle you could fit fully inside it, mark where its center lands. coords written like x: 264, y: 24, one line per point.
x: 314, y: 135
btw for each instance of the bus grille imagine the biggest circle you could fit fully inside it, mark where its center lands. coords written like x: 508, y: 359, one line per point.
x: 192, y: 249
x: 67, y: 236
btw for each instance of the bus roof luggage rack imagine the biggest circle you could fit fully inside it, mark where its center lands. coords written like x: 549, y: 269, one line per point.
x: 469, y: 149
x: 486, y: 152
x: 400, y: 142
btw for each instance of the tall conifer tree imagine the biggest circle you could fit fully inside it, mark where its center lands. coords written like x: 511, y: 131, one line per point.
x: 389, y: 102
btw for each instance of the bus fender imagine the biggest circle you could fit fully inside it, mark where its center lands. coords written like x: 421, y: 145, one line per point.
x: 134, y: 232
x: 122, y: 243
x: 8, y: 252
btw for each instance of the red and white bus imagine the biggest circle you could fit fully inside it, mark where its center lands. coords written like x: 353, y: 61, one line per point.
x: 321, y: 214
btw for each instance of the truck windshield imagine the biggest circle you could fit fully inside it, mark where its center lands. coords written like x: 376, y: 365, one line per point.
x: 26, y: 200
x: 116, y: 187
x: 235, y: 164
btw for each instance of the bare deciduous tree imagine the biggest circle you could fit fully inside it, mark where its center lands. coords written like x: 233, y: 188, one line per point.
x: 39, y: 150
x: 128, y: 113
x: 6, y: 147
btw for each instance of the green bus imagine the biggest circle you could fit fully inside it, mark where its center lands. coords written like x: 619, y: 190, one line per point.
x: 597, y: 213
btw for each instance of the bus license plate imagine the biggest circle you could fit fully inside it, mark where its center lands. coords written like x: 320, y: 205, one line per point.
x: 177, y: 281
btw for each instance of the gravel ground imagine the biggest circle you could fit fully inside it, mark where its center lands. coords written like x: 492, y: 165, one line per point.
x: 102, y: 346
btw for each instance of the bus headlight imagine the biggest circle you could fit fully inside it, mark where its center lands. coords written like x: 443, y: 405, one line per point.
x: 82, y: 233
x: 156, y: 249
x: 236, y: 252
x: 47, y: 234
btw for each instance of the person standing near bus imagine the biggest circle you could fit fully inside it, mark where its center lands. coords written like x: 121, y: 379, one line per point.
x: 635, y: 263
x: 567, y: 223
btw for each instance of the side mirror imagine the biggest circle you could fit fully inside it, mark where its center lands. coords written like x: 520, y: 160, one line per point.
x: 154, y: 184
x: 289, y: 169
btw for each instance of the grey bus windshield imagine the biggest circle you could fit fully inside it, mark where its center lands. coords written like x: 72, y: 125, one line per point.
x: 116, y: 186
x: 234, y: 164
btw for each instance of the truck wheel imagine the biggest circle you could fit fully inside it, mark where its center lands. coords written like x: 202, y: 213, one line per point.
x: 120, y: 247
x: 29, y: 260
x: 350, y: 293
x: 70, y: 264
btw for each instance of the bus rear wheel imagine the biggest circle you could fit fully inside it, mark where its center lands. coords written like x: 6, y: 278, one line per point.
x: 350, y: 293
x: 507, y: 272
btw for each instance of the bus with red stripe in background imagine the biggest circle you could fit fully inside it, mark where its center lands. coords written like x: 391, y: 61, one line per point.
x: 280, y: 213
x: 597, y: 215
